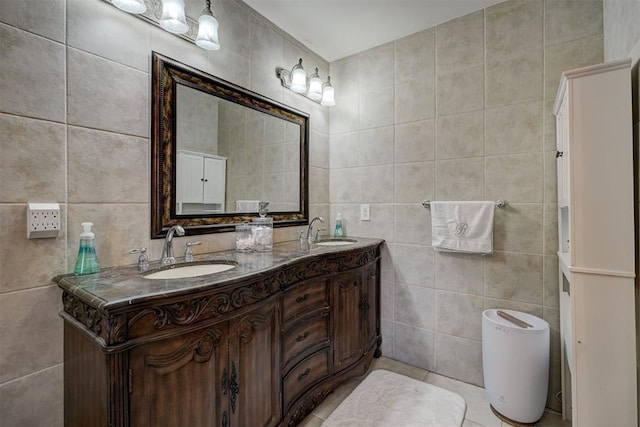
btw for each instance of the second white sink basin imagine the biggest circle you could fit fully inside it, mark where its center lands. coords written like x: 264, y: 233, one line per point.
x: 336, y: 242
x: 190, y: 271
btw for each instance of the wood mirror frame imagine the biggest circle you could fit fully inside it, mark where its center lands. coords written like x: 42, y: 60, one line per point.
x: 166, y: 74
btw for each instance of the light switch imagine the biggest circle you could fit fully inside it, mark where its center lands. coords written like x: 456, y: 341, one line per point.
x: 364, y: 212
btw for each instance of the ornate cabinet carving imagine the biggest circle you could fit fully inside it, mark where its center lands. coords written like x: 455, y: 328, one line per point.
x: 261, y: 349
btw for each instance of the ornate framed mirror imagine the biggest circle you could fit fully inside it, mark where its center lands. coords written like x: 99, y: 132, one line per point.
x: 219, y: 149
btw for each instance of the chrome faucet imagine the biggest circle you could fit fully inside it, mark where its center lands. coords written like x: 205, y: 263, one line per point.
x: 310, y: 229
x: 167, y: 251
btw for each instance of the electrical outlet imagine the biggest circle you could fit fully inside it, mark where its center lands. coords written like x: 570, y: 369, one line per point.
x: 43, y: 220
x: 364, y: 212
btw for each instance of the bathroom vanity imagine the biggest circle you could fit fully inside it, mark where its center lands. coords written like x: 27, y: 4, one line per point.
x: 261, y: 344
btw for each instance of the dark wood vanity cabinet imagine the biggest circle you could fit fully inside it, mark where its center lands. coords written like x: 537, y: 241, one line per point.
x: 261, y: 351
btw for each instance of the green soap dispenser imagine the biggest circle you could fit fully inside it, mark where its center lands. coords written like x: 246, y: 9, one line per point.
x: 87, y: 261
x: 339, y: 231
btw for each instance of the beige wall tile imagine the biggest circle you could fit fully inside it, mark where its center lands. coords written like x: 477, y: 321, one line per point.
x: 267, y: 46
x: 459, y: 358
x: 518, y: 228
x: 550, y: 228
x: 458, y: 314
x: 513, y: 26
x: 376, y: 92
x: 514, y: 129
x: 620, y: 27
x: 34, y: 400
x: 414, y: 182
x: 106, y: 167
x: 549, y: 124
x: 412, y: 224
x: 235, y: 35
x: 32, y: 167
x: 550, y: 283
x: 376, y: 184
x: 415, y: 77
x: 460, y: 43
x: 515, y: 79
x: 516, y: 277
x: 460, y: 179
x: 318, y: 150
x: 568, y: 56
x: 32, y: 313
x: 29, y: 263
x: 387, y: 338
x: 344, y: 185
x: 380, y: 226
x: 318, y: 185
x: 461, y: 273
x: 567, y: 20
x: 344, y: 150
x: 460, y: 135
x: 414, y: 142
x: 550, y: 176
x: 375, y: 146
x: 36, y: 16
x: 128, y: 43
x: 25, y: 89
x: 415, y: 306
x: 414, y: 346
x: 118, y: 228
x: 387, y: 300
x: 345, y: 75
x: 461, y: 91
x: 230, y: 66
x: 413, y: 264
x: 516, y: 178
x: 107, y: 96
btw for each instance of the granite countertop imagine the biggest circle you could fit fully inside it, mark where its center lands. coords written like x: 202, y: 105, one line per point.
x: 116, y: 287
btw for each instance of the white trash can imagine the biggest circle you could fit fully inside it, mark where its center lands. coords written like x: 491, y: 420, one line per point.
x: 515, y: 361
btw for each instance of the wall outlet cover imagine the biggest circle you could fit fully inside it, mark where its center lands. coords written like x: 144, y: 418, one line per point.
x: 365, y: 213
x: 43, y: 220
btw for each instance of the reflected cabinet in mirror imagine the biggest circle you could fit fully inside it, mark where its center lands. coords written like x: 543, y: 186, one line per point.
x: 218, y: 150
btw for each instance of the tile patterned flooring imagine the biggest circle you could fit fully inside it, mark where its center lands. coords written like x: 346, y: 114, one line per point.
x: 478, y: 412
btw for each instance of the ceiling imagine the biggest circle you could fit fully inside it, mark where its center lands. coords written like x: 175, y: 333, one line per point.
x: 337, y: 28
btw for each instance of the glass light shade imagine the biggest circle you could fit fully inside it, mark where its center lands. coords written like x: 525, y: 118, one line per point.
x: 208, y: 31
x: 131, y: 6
x: 298, y: 78
x: 328, y: 94
x: 315, y: 87
x: 173, y: 19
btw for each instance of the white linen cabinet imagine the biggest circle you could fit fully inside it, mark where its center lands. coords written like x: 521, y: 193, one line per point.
x: 201, y: 183
x: 596, y: 245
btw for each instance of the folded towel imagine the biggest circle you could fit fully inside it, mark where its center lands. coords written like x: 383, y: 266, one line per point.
x: 462, y: 226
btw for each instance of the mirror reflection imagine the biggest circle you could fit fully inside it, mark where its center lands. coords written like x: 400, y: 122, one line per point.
x: 230, y: 157
x: 218, y: 150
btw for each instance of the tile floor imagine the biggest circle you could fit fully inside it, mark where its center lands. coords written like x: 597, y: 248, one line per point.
x: 478, y: 412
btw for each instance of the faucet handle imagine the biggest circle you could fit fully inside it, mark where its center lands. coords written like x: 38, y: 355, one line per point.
x: 143, y: 258
x: 188, y: 250
x: 318, y: 233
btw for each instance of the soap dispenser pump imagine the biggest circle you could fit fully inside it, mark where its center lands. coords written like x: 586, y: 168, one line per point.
x: 87, y: 261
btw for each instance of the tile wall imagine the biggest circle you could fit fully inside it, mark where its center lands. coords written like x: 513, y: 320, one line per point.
x: 75, y: 128
x: 622, y: 40
x: 461, y: 111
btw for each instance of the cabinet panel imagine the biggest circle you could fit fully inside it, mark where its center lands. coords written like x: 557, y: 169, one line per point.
x: 255, y: 367
x: 181, y: 380
x: 214, y: 180
x: 348, y: 319
x: 370, y: 306
x: 190, y: 169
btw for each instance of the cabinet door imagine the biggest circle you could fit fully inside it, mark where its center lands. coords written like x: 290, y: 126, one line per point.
x: 181, y: 381
x: 370, y: 305
x: 347, y: 319
x: 562, y: 155
x: 189, y: 174
x: 255, y: 394
x: 214, y: 180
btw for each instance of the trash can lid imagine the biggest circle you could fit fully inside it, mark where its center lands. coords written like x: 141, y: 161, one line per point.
x: 517, y: 320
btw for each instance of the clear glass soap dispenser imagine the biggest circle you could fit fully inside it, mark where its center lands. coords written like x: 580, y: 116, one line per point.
x: 339, y: 231
x: 87, y: 261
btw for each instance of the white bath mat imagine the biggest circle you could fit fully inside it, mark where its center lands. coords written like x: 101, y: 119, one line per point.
x: 388, y: 399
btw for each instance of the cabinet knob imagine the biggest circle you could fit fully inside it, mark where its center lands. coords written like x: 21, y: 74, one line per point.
x: 559, y: 154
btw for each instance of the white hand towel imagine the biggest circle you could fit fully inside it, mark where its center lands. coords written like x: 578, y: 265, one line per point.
x: 462, y: 226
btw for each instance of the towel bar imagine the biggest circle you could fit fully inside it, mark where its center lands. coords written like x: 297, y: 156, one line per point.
x: 500, y: 203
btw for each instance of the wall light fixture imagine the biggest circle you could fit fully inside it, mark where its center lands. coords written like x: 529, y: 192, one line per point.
x: 296, y: 80
x: 170, y: 15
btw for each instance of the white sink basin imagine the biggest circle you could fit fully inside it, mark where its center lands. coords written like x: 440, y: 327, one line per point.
x: 336, y: 242
x: 190, y: 271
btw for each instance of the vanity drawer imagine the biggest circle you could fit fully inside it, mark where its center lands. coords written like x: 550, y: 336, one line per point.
x: 304, y: 298
x: 308, y: 372
x: 305, y: 335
